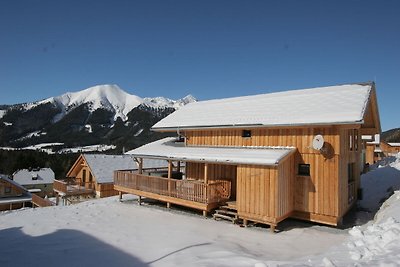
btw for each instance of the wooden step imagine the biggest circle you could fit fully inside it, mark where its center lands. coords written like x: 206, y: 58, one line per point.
x: 226, y: 212
x: 228, y: 207
x: 217, y: 216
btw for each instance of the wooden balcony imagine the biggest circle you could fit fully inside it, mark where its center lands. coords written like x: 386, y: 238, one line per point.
x: 71, y: 187
x: 190, y: 193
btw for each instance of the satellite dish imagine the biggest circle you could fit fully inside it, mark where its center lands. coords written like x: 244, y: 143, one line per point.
x: 318, y: 142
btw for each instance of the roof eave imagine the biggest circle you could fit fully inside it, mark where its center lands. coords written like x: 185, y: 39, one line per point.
x: 244, y: 126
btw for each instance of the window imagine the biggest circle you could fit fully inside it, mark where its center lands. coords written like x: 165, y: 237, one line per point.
x: 84, y: 176
x: 350, y: 172
x: 246, y: 133
x: 304, y: 169
x: 353, y: 140
x: 7, y: 189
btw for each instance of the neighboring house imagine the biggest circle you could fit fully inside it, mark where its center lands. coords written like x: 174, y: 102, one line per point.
x: 12, y: 195
x: 39, y: 181
x: 264, y: 157
x: 376, y: 149
x: 92, y: 175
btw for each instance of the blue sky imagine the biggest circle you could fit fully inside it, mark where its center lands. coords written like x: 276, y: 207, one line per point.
x: 211, y: 49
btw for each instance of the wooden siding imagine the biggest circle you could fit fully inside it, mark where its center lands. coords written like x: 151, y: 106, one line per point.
x: 301, y: 138
x: 348, y: 156
x: 106, y: 190
x: 324, y: 194
x: 265, y: 194
x: 14, y: 191
x: 216, y: 172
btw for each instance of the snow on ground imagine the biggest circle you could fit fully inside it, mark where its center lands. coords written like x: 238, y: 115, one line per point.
x: 82, y: 149
x: 106, y: 232
x: 2, y: 113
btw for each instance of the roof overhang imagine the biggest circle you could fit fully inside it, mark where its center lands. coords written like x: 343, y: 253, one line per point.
x: 251, y: 126
x: 168, y: 149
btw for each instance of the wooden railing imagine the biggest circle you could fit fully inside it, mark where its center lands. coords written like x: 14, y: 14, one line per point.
x: 60, y: 186
x: 71, y: 185
x: 351, y: 189
x: 40, y: 202
x: 192, y: 190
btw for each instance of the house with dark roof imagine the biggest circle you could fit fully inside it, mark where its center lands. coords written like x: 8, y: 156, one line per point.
x: 263, y: 158
x: 12, y: 195
x: 92, y: 175
x: 39, y: 181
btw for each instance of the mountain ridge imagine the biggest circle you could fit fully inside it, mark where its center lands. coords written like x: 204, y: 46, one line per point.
x: 102, y: 114
x: 110, y: 97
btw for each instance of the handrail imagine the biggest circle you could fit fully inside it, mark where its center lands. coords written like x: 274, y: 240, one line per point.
x: 72, y: 185
x: 192, y: 190
x: 40, y: 202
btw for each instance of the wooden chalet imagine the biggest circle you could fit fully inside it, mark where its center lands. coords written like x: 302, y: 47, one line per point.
x: 12, y: 195
x: 92, y: 176
x: 264, y: 157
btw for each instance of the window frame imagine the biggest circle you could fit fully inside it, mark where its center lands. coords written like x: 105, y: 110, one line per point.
x: 300, y: 169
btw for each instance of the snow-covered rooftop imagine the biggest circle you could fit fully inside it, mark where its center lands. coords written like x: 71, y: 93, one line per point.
x: 103, y: 166
x: 32, y: 177
x: 394, y: 144
x: 340, y: 104
x: 167, y: 148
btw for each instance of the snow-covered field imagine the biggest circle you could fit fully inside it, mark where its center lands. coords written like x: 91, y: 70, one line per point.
x: 107, y: 232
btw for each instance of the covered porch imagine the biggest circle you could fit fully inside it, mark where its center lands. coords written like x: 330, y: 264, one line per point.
x: 202, y: 194
x: 211, y: 177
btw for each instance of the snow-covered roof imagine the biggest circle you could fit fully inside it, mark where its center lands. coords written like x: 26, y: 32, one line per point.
x: 394, y: 144
x: 342, y: 104
x: 167, y: 148
x: 35, y: 176
x: 103, y: 166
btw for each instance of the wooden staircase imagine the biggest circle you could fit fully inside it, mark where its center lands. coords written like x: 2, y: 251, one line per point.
x: 227, y: 212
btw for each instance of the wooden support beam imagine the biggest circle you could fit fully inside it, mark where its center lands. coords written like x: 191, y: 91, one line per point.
x: 245, y: 222
x: 170, y: 166
x: 140, y: 200
x: 120, y: 196
x: 272, y: 228
x: 178, y: 166
x: 140, y: 169
x: 168, y: 205
x: 206, y: 180
x: 204, y: 213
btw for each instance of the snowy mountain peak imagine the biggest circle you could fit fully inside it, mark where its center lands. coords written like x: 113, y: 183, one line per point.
x: 110, y: 97
x: 187, y: 99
